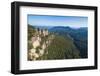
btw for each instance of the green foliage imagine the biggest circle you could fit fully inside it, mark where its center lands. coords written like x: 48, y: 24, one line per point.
x: 30, y: 46
x: 37, y: 49
x: 31, y: 31
x: 62, y: 48
x: 80, y: 37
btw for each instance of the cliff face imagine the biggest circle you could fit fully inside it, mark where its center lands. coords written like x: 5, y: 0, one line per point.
x: 40, y: 40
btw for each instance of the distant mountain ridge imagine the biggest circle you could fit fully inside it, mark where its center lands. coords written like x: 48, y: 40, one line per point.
x: 43, y: 26
x: 82, y: 31
x: 69, y: 28
x: 60, y: 27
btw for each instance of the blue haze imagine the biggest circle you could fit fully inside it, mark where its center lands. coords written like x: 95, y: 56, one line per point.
x: 47, y: 20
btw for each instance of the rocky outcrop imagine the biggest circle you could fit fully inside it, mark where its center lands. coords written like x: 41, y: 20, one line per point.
x: 40, y: 41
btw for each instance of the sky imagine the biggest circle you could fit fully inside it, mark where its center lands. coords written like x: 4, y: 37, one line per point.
x: 48, y: 20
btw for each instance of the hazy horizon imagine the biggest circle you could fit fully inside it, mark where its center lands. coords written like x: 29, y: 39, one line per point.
x: 65, y: 21
x: 56, y: 26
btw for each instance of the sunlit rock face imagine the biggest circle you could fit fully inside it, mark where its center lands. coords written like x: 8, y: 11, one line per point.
x: 36, y: 41
x: 38, y: 49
